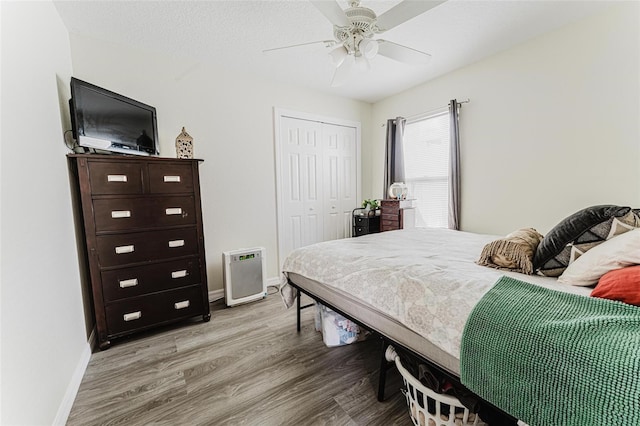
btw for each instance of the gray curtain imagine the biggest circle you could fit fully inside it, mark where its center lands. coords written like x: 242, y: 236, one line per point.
x: 454, y: 169
x: 394, y: 157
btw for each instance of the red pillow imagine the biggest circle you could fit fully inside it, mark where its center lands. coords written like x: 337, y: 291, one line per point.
x: 621, y: 284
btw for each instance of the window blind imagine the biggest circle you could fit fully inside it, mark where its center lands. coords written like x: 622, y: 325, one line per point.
x: 426, y: 160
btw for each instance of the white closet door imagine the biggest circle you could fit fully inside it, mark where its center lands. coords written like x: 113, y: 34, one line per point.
x: 340, y: 180
x: 301, y: 186
x: 317, y: 172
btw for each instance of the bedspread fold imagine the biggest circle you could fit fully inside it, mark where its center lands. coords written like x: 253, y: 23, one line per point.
x: 287, y: 293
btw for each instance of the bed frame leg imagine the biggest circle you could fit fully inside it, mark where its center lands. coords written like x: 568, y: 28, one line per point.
x: 384, y: 366
x: 298, y: 308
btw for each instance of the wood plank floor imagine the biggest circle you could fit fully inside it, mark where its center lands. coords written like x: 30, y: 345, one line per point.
x: 247, y: 366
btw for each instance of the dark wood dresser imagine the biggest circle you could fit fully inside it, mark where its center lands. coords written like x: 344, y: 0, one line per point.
x: 144, y: 239
x: 390, y: 215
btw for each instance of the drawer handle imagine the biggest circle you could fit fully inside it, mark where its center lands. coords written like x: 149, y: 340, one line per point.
x: 179, y: 274
x: 172, y: 178
x: 116, y: 178
x: 132, y: 316
x: 176, y: 243
x: 125, y: 249
x: 181, y: 305
x: 173, y: 210
x: 128, y: 283
x: 117, y: 214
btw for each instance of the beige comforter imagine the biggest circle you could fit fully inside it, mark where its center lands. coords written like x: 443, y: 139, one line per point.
x: 424, y: 278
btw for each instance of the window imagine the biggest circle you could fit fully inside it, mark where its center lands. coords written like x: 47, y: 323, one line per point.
x: 426, y: 162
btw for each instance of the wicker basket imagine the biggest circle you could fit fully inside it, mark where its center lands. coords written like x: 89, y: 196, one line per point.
x: 428, y: 408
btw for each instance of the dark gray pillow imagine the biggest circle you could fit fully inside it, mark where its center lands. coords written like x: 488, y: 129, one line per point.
x: 580, y: 232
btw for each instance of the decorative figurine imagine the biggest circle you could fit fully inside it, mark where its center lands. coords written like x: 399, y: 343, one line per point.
x: 184, y: 145
x: 398, y: 191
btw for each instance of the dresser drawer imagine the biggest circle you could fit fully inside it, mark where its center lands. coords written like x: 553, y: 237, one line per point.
x: 390, y: 207
x: 389, y: 224
x: 170, y: 178
x: 368, y: 221
x: 123, y: 249
x: 390, y: 217
x: 129, y: 282
x: 144, y: 311
x: 115, y: 178
x: 133, y: 213
x: 359, y: 230
x: 361, y: 220
x: 362, y: 228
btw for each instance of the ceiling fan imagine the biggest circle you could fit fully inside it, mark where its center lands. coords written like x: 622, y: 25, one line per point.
x: 354, y: 29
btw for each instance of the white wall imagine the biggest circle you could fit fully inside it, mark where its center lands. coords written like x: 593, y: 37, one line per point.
x: 552, y: 126
x: 230, y: 117
x: 44, y: 340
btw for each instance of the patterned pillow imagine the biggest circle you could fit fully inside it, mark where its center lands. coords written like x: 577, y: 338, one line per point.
x: 580, y: 232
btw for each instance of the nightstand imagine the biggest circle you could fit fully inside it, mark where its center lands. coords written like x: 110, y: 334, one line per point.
x: 396, y: 214
x: 364, y: 224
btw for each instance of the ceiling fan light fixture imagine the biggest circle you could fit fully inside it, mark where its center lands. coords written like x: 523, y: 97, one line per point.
x: 362, y: 64
x: 343, y: 72
x: 338, y: 55
x: 368, y: 48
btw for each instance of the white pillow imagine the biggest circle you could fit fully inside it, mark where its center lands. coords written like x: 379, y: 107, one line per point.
x: 615, y: 253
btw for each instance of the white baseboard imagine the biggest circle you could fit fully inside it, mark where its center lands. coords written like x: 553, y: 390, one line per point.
x: 64, y: 409
x: 273, y: 282
x: 216, y: 295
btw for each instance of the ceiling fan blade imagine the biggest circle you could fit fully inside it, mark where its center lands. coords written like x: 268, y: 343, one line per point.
x: 332, y: 11
x: 404, y: 11
x: 402, y: 53
x: 327, y: 43
x: 343, y: 72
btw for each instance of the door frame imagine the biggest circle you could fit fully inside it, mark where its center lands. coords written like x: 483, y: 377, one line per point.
x: 278, y: 114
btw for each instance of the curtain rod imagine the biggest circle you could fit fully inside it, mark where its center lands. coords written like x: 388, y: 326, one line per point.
x: 429, y: 112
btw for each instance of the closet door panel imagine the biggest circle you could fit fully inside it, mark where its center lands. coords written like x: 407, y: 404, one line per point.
x: 301, y: 183
x: 340, y: 180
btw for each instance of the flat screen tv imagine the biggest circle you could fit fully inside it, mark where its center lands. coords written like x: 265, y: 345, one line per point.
x: 107, y: 121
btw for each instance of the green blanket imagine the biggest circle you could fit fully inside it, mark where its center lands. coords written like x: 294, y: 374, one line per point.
x: 553, y: 358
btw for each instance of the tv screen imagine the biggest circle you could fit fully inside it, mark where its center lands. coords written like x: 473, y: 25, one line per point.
x: 105, y: 120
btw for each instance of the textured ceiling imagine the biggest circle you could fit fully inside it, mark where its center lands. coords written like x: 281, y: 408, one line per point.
x: 235, y: 33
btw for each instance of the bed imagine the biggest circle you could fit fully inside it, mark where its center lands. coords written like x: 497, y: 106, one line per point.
x: 415, y: 287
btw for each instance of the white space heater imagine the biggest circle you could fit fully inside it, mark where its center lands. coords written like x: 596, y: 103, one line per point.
x: 245, y: 275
